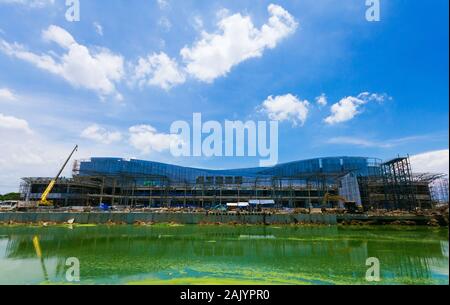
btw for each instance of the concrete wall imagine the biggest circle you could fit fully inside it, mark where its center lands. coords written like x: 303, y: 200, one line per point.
x: 182, y: 218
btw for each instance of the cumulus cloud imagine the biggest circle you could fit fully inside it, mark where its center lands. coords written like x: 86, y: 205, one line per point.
x: 158, y: 70
x: 212, y: 56
x: 345, y: 110
x: 30, y: 3
x: 286, y: 108
x: 94, y: 69
x: 431, y: 162
x: 237, y: 40
x: 146, y: 139
x: 7, y: 95
x: 13, y: 123
x: 349, y: 107
x: 101, y: 135
x: 215, y: 54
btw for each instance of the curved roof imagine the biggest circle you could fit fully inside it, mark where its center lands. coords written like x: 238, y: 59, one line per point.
x: 330, y: 165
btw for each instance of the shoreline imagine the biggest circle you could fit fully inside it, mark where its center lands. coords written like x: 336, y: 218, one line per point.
x: 149, y: 218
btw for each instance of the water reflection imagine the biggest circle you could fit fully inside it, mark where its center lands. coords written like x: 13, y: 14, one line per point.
x: 326, y: 254
x: 37, y: 248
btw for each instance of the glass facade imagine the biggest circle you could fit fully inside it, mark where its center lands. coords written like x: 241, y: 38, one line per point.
x: 177, y: 174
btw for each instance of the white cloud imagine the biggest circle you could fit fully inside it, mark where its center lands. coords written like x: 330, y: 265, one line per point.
x: 30, y: 3
x: 13, y: 123
x: 431, y: 162
x: 322, y: 100
x: 237, y: 40
x: 286, y: 108
x: 98, y: 28
x: 349, y: 107
x: 387, y: 143
x: 356, y: 141
x: 96, y: 70
x: 101, y: 135
x: 215, y: 54
x: 146, y: 139
x: 7, y: 95
x: 345, y: 110
x: 374, y: 97
x: 158, y: 70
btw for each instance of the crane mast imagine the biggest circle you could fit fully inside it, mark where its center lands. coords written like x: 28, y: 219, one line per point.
x: 44, y: 201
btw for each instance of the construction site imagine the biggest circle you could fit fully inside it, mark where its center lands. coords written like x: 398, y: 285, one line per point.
x: 336, y: 182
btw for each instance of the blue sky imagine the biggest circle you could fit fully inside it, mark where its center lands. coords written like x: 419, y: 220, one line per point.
x: 146, y: 64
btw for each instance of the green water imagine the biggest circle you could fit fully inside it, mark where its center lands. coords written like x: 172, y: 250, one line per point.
x: 164, y: 254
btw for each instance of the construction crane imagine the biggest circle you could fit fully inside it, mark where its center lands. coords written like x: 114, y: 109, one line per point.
x: 44, y: 198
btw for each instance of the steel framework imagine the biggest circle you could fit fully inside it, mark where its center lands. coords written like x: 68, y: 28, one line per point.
x: 398, y: 184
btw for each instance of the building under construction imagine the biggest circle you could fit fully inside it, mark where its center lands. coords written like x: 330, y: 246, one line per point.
x: 303, y: 184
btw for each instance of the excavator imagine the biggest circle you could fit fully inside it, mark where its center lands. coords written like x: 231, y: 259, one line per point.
x: 350, y: 206
x: 44, y: 198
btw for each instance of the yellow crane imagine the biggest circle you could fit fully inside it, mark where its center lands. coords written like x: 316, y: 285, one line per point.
x: 44, y: 198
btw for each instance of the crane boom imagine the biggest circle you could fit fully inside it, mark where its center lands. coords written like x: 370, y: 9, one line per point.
x: 52, y: 183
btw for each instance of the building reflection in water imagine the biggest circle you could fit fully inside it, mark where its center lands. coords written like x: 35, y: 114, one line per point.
x: 330, y: 251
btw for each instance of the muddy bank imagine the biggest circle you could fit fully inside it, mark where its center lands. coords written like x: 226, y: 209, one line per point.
x: 132, y: 218
x: 429, y: 220
x: 179, y: 218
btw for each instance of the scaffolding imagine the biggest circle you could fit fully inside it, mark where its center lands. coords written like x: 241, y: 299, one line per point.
x: 137, y: 190
x: 398, y: 184
x: 302, y: 184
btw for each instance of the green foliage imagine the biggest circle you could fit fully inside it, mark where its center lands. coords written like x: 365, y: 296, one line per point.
x: 10, y: 196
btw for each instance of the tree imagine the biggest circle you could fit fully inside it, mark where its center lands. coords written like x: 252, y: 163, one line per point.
x: 10, y: 196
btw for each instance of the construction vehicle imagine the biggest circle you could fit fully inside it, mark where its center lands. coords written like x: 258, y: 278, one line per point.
x: 44, y: 198
x: 350, y: 206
